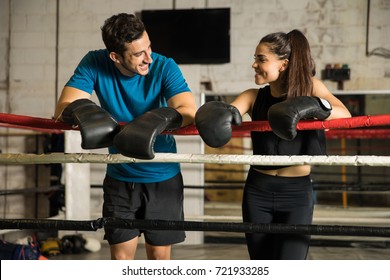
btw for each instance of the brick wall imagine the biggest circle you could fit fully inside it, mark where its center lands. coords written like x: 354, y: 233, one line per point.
x: 29, y: 84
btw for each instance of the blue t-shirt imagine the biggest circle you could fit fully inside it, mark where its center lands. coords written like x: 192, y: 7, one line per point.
x: 126, y: 98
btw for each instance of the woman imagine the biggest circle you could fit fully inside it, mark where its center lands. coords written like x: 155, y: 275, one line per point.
x: 279, y: 194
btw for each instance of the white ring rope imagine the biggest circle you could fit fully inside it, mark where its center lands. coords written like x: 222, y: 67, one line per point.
x: 195, y: 158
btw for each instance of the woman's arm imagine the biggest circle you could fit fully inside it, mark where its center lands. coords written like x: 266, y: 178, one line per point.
x: 245, y: 101
x: 338, y: 108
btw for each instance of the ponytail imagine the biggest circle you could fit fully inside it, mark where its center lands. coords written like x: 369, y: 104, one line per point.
x: 301, y: 67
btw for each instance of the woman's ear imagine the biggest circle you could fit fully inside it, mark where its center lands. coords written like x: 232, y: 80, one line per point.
x: 284, y: 65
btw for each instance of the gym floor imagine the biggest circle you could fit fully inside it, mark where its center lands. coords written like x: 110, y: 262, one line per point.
x: 238, y: 252
x: 230, y: 246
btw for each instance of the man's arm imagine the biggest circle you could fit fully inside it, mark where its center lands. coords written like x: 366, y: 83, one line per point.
x: 184, y: 103
x: 68, y: 95
x: 136, y: 139
x: 97, y: 126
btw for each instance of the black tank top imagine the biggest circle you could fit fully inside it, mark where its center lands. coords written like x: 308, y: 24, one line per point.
x: 307, y: 142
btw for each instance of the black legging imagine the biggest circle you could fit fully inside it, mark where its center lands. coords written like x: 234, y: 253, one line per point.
x: 273, y: 199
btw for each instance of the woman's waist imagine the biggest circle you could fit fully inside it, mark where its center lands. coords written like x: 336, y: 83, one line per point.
x: 289, y: 171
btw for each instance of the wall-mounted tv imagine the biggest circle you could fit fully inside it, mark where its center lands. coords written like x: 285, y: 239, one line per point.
x: 190, y: 36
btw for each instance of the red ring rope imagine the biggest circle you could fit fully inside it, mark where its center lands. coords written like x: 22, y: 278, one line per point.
x: 358, y: 134
x: 53, y: 126
x: 342, y: 133
x: 32, y: 123
x: 354, y: 122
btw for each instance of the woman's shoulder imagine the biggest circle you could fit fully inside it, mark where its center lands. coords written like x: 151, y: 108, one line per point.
x: 250, y: 91
x: 255, y: 91
x: 249, y: 95
x: 319, y: 88
x: 318, y: 84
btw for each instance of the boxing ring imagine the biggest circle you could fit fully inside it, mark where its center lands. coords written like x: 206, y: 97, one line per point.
x: 355, y: 127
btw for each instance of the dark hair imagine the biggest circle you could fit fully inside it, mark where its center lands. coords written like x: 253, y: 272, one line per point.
x: 121, y: 29
x: 301, y: 68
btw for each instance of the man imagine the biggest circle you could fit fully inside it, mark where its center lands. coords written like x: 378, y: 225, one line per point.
x: 148, y: 92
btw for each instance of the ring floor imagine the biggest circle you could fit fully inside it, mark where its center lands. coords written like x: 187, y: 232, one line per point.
x: 218, y: 246
x: 238, y: 252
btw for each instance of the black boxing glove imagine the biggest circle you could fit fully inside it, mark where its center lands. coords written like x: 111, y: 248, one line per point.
x: 136, y: 139
x: 284, y: 116
x: 214, y: 122
x: 97, y: 126
x: 72, y: 244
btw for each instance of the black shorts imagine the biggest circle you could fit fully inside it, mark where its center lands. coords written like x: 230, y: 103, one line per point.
x: 149, y: 201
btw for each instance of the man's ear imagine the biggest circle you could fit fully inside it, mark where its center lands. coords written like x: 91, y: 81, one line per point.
x: 115, y: 57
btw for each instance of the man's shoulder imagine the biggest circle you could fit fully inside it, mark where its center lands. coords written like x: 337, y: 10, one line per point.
x: 162, y: 64
x: 161, y: 59
x: 95, y: 59
x: 97, y: 54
